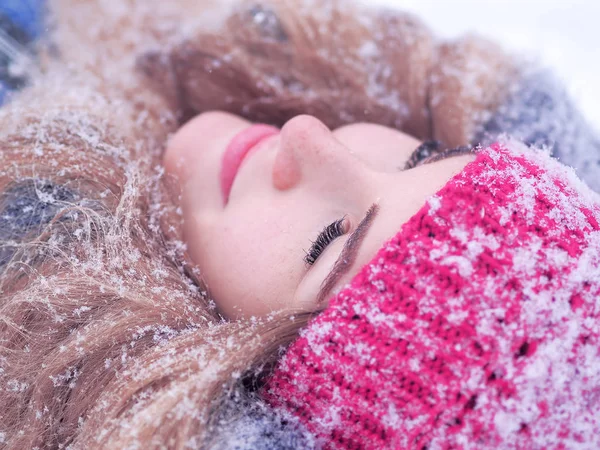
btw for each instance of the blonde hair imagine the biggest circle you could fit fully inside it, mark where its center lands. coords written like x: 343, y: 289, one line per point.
x: 108, y: 338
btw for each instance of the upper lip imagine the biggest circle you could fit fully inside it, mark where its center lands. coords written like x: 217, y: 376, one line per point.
x: 237, y: 150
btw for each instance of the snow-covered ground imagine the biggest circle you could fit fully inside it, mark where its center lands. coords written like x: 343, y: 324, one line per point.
x: 565, y: 35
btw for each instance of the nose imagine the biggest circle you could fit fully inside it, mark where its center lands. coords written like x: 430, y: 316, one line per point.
x: 309, y: 152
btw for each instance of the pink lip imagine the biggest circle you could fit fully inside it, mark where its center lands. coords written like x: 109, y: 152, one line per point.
x: 237, y: 150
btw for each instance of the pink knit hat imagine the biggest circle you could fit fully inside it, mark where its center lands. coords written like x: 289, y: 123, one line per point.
x: 475, y: 327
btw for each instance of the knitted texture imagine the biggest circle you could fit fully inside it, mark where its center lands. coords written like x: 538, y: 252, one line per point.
x: 475, y: 327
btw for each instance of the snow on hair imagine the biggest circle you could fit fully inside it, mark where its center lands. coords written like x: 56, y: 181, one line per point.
x: 108, y: 338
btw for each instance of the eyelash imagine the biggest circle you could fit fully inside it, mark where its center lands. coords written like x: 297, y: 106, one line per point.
x: 426, y: 150
x: 330, y: 233
x: 429, y: 152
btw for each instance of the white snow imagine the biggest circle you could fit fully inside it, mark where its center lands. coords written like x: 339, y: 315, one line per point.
x: 565, y: 35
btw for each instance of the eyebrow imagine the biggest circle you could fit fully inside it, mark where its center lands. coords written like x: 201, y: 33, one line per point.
x: 348, y: 253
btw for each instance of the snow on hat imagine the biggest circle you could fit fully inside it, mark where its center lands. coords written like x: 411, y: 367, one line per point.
x: 475, y: 327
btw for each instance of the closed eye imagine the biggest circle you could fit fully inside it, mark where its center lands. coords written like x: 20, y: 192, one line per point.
x: 422, y: 152
x: 348, y: 253
x: 329, y: 234
x: 429, y: 152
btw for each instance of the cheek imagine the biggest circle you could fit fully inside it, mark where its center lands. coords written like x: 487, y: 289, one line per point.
x: 180, y: 148
x: 201, y: 140
x: 383, y: 149
x: 247, y: 268
x: 307, y: 293
x: 235, y: 278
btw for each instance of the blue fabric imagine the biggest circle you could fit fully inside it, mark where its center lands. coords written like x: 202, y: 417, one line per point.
x: 26, y: 14
x: 541, y: 113
x: 21, y: 23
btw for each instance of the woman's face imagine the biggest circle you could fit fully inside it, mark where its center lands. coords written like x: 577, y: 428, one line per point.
x: 305, y: 209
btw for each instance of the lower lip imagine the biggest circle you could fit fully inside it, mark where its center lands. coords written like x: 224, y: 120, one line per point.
x: 237, y: 150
